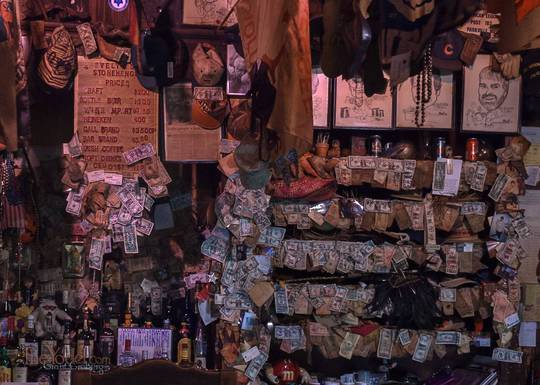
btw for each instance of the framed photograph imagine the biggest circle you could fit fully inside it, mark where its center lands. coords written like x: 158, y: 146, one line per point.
x: 439, y: 110
x: 207, y: 12
x: 73, y: 260
x: 185, y: 141
x: 491, y: 103
x: 353, y: 109
x: 320, y: 91
x: 238, y: 80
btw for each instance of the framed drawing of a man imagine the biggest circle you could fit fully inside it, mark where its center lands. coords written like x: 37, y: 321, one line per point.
x: 354, y: 109
x: 491, y: 103
x: 438, y: 110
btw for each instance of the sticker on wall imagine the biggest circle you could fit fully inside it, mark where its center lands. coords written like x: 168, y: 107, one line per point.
x: 118, y: 5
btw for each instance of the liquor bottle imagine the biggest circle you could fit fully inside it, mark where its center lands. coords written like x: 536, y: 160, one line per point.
x: 12, y: 342
x: 156, y: 303
x: 65, y: 302
x: 64, y: 373
x: 127, y: 358
x: 44, y: 377
x: 167, y: 324
x: 5, y: 364
x: 20, y: 370
x: 85, y: 339
x: 106, y: 341
x: 184, y: 346
x: 148, y: 314
x: 127, y: 314
x: 113, y: 318
x: 31, y: 344
x: 201, y: 346
x: 48, y: 343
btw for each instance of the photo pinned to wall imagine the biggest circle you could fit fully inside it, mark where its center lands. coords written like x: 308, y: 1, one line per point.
x: 208, y: 12
x: 184, y: 140
x: 320, y: 91
x: 439, y: 109
x: 491, y: 102
x: 238, y: 80
x: 353, y: 109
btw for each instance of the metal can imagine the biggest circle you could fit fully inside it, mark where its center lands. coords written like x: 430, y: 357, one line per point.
x: 472, y: 149
x: 439, y: 147
x: 376, y: 147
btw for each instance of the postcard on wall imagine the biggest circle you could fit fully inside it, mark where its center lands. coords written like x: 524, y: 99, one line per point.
x: 208, y: 12
x: 184, y: 140
x: 353, y: 109
x: 320, y: 90
x: 491, y: 102
x: 238, y: 80
x: 438, y: 109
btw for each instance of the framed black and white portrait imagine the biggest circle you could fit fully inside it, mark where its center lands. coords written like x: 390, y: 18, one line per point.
x: 491, y: 103
x: 238, y: 80
x: 438, y: 104
x: 354, y: 109
x: 320, y: 91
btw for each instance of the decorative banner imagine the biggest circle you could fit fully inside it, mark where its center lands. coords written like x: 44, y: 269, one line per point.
x: 155, y: 342
x: 113, y: 113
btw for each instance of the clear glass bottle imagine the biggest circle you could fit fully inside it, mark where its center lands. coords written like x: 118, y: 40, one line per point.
x: 201, y: 346
x: 127, y: 358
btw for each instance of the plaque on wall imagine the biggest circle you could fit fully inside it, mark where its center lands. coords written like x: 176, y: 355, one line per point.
x: 113, y: 113
x: 491, y: 103
x: 320, y: 91
x: 353, y: 109
x: 438, y: 109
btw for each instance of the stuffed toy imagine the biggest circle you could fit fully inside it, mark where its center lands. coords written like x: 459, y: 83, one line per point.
x: 46, y: 307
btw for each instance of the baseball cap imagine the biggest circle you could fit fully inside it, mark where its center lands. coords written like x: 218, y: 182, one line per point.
x: 208, y: 114
x: 208, y: 67
x: 447, y: 50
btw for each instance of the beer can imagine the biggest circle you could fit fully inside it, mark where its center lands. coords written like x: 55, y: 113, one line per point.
x: 439, y: 147
x: 376, y: 147
x: 472, y: 149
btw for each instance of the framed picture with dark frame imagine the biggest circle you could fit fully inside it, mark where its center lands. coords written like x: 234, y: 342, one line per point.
x: 321, y: 91
x: 438, y: 110
x: 491, y: 103
x: 238, y: 80
x: 353, y: 109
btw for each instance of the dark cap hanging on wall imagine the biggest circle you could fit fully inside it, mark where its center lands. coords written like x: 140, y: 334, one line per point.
x: 447, y: 51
